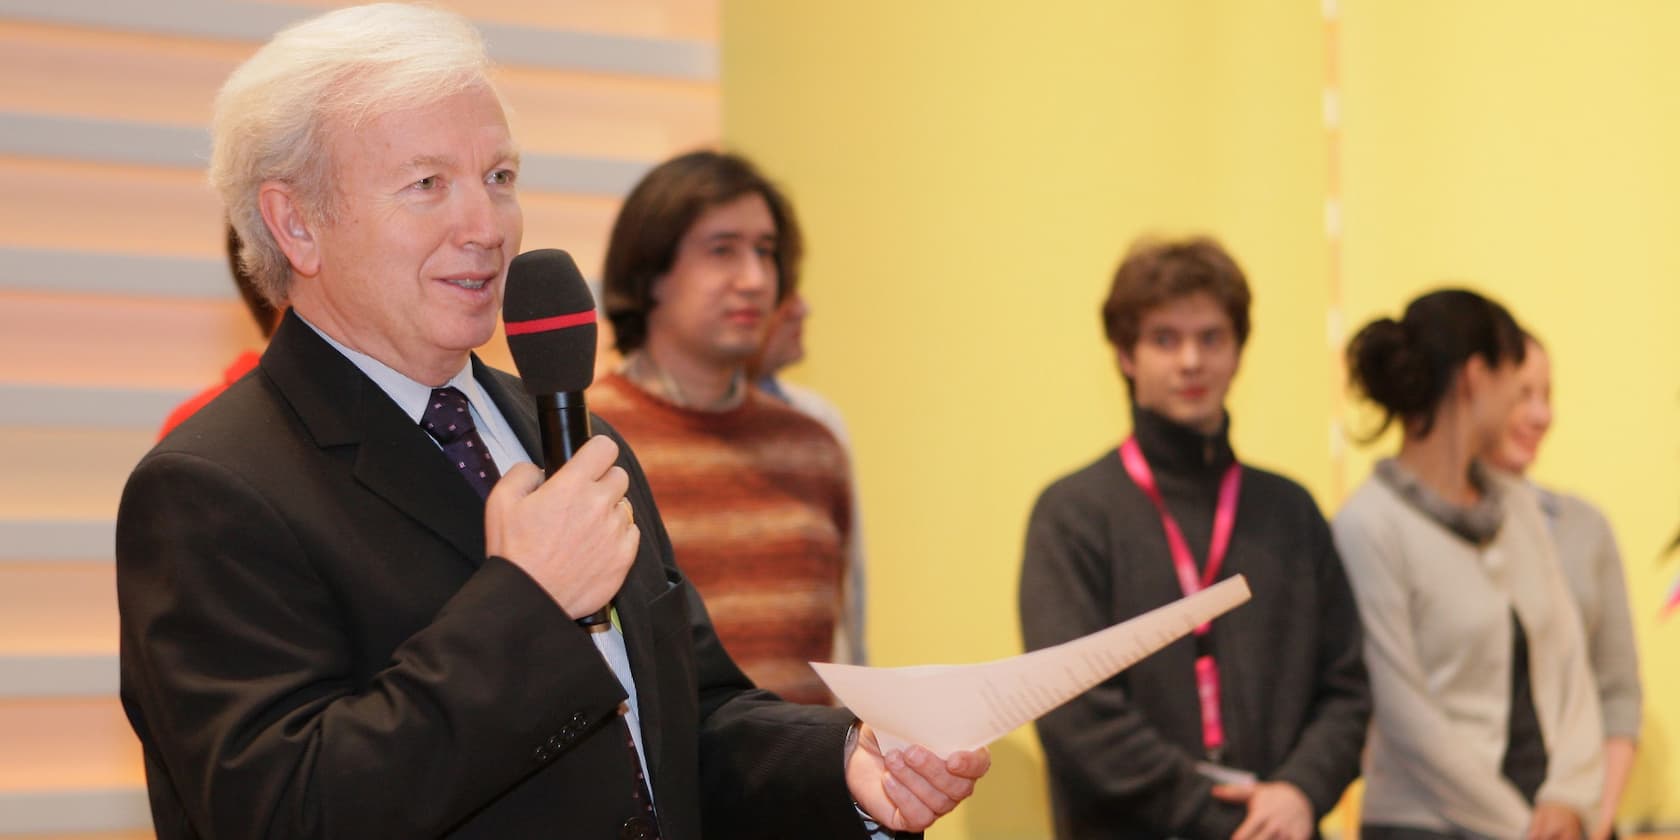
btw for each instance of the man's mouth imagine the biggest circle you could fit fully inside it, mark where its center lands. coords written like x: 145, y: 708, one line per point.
x: 471, y: 284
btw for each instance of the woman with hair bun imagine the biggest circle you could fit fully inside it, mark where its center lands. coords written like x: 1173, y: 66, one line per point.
x: 1486, y: 724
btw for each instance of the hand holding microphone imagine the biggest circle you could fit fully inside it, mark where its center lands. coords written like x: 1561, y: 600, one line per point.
x: 574, y: 533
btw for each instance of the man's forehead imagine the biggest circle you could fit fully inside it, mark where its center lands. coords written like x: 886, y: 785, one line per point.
x: 503, y: 152
x: 740, y: 218
x: 408, y: 133
x: 724, y: 230
x: 1197, y: 310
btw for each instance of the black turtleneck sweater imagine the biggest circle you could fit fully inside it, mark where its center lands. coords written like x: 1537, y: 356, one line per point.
x: 1294, y: 697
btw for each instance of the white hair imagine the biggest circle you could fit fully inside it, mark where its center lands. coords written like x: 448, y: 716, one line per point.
x: 275, y: 116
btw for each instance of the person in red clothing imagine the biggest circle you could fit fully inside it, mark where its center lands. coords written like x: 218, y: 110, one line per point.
x: 267, y: 318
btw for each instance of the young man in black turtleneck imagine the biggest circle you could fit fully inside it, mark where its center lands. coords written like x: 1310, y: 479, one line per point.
x: 1252, y: 726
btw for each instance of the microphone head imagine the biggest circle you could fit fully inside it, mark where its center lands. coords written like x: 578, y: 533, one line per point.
x: 549, y: 316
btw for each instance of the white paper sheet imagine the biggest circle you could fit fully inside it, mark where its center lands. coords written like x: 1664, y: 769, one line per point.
x: 947, y: 708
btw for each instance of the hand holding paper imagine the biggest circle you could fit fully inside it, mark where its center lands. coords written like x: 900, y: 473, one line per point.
x: 948, y: 708
x: 909, y: 790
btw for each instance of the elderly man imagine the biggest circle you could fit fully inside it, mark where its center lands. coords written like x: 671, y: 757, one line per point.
x: 339, y: 621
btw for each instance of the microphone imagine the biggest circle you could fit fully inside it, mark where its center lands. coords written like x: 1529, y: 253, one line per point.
x: 549, y: 316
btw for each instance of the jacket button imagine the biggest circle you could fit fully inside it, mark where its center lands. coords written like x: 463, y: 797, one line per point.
x: 636, y: 828
x: 542, y: 754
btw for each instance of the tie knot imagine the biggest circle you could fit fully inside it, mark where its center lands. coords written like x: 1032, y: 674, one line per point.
x: 447, y: 418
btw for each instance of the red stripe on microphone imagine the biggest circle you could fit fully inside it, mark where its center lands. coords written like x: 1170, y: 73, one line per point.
x: 558, y: 322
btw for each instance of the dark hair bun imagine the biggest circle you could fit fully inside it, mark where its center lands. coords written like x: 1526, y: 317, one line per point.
x: 1387, y: 368
x: 1406, y: 366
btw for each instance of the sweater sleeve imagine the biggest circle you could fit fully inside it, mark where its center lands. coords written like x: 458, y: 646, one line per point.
x: 1610, y: 644
x: 1574, y: 743
x: 1101, y: 751
x: 851, y: 643
x: 1325, y: 759
x: 1424, y: 745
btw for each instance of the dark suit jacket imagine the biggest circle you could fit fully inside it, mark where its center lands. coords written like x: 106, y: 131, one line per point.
x: 315, y: 645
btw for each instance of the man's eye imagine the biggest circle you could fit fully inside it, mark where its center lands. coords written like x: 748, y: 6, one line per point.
x: 502, y: 176
x: 429, y: 182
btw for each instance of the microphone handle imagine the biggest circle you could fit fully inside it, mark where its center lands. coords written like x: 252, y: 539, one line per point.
x: 564, y: 421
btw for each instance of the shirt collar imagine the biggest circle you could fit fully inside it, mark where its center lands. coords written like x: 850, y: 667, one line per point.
x: 409, y: 395
x: 1174, y: 448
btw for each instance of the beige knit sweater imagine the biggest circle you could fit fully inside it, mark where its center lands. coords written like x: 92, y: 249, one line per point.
x: 1436, y: 610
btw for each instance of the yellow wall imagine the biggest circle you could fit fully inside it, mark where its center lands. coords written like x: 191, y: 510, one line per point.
x: 969, y: 174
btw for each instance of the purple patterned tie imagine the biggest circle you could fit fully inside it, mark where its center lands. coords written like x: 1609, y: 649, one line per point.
x: 448, y: 420
x: 645, y: 824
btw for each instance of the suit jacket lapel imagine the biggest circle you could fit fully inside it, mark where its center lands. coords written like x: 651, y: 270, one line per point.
x: 400, y: 463
x: 637, y: 623
x: 647, y: 576
x: 392, y: 456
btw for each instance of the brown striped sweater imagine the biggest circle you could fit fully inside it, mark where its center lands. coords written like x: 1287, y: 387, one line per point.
x: 757, y: 502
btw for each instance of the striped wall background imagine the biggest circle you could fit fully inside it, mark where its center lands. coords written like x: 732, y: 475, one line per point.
x: 115, y: 301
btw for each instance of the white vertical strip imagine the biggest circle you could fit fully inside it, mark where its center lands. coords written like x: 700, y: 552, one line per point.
x: 63, y: 539
x: 58, y: 675
x: 41, y: 812
x: 50, y: 270
x: 67, y: 405
x: 257, y: 22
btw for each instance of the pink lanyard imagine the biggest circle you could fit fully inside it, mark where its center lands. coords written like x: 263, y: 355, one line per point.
x: 1224, y: 519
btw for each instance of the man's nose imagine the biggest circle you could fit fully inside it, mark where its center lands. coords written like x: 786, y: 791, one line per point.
x: 757, y: 275
x: 478, y: 220
x: 1190, y: 354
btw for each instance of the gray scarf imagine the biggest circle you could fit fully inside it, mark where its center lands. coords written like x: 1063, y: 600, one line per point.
x: 1478, y: 523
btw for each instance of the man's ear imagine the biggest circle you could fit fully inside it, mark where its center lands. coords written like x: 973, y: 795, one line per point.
x: 656, y: 289
x: 1474, y: 376
x: 1128, y: 363
x: 291, y: 228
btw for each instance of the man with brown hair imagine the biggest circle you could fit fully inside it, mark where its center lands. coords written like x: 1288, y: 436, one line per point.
x: 1252, y: 726
x: 756, y: 495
